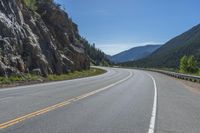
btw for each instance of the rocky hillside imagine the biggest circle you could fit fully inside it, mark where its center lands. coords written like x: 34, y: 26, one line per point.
x: 37, y: 36
x: 135, y: 53
x: 169, y: 55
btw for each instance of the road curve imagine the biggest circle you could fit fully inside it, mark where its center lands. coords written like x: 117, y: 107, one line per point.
x: 119, y: 101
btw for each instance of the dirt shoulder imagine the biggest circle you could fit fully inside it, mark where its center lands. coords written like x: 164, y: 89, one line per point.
x: 191, y: 86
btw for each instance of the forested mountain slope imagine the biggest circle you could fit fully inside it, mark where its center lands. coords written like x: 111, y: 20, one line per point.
x: 134, y: 53
x: 169, y: 55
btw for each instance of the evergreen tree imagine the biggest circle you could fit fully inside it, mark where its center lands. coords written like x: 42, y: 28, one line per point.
x: 188, y: 65
x: 184, y: 64
x: 192, y: 65
x: 97, y: 57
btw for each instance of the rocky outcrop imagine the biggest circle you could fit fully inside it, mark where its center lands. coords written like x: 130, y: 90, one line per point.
x: 45, y: 40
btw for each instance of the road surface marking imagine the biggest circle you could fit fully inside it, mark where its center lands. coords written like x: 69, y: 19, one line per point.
x: 5, y: 98
x: 51, y: 83
x: 59, y: 105
x: 154, y: 110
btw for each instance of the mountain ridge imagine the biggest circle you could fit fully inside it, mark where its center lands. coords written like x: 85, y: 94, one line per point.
x: 169, y: 55
x: 134, y: 53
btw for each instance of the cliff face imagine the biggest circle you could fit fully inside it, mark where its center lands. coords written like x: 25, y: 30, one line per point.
x: 43, y: 41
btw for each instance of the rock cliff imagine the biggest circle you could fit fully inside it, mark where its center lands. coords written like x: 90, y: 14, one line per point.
x: 43, y: 41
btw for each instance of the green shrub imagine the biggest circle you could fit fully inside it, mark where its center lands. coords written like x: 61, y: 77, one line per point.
x: 31, y: 4
x: 188, y: 65
x: 192, y: 65
x: 183, y: 64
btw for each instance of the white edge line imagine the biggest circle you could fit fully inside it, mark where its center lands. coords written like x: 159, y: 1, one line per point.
x: 96, y: 91
x: 154, y: 109
x: 50, y: 83
x: 87, y: 94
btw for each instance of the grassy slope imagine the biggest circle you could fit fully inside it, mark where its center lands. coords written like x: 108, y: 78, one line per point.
x: 29, y: 79
x: 77, y: 74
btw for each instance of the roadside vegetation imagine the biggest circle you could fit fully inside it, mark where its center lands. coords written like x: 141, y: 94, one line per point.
x: 97, y: 57
x: 189, y: 65
x: 30, y: 78
x: 76, y: 74
x: 31, y: 4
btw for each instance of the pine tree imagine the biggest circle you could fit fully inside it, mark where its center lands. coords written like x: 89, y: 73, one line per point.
x: 188, y: 65
x: 184, y: 64
x: 192, y: 65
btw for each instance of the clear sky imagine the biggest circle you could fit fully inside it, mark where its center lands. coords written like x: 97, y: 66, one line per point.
x: 117, y: 25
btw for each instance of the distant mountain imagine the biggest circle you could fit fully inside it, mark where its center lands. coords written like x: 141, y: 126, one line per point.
x: 134, y: 53
x: 169, y: 54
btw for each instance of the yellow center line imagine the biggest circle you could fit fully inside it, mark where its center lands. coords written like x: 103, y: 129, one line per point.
x: 56, y: 106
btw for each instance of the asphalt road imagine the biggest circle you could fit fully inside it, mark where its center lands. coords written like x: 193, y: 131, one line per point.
x: 119, y: 101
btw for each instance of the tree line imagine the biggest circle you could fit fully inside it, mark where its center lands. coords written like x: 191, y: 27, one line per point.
x: 97, y: 57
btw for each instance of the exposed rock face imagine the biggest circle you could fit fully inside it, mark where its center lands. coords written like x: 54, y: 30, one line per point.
x: 45, y: 40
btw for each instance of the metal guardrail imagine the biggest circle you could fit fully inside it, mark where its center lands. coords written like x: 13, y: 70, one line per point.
x: 178, y: 75
x: 174, y: 74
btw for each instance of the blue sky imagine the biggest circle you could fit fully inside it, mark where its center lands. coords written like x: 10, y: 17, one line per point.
x: 117, y: 25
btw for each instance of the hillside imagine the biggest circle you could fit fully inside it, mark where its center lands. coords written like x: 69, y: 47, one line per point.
x: 168, y: 56
x: 96, y: 56
x: 37, y: 36
x: 134, y: 53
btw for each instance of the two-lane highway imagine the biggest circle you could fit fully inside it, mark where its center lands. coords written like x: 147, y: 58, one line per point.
x: 119, y: 101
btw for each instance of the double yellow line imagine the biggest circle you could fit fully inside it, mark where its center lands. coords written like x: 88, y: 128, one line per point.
x: 59, y: 105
